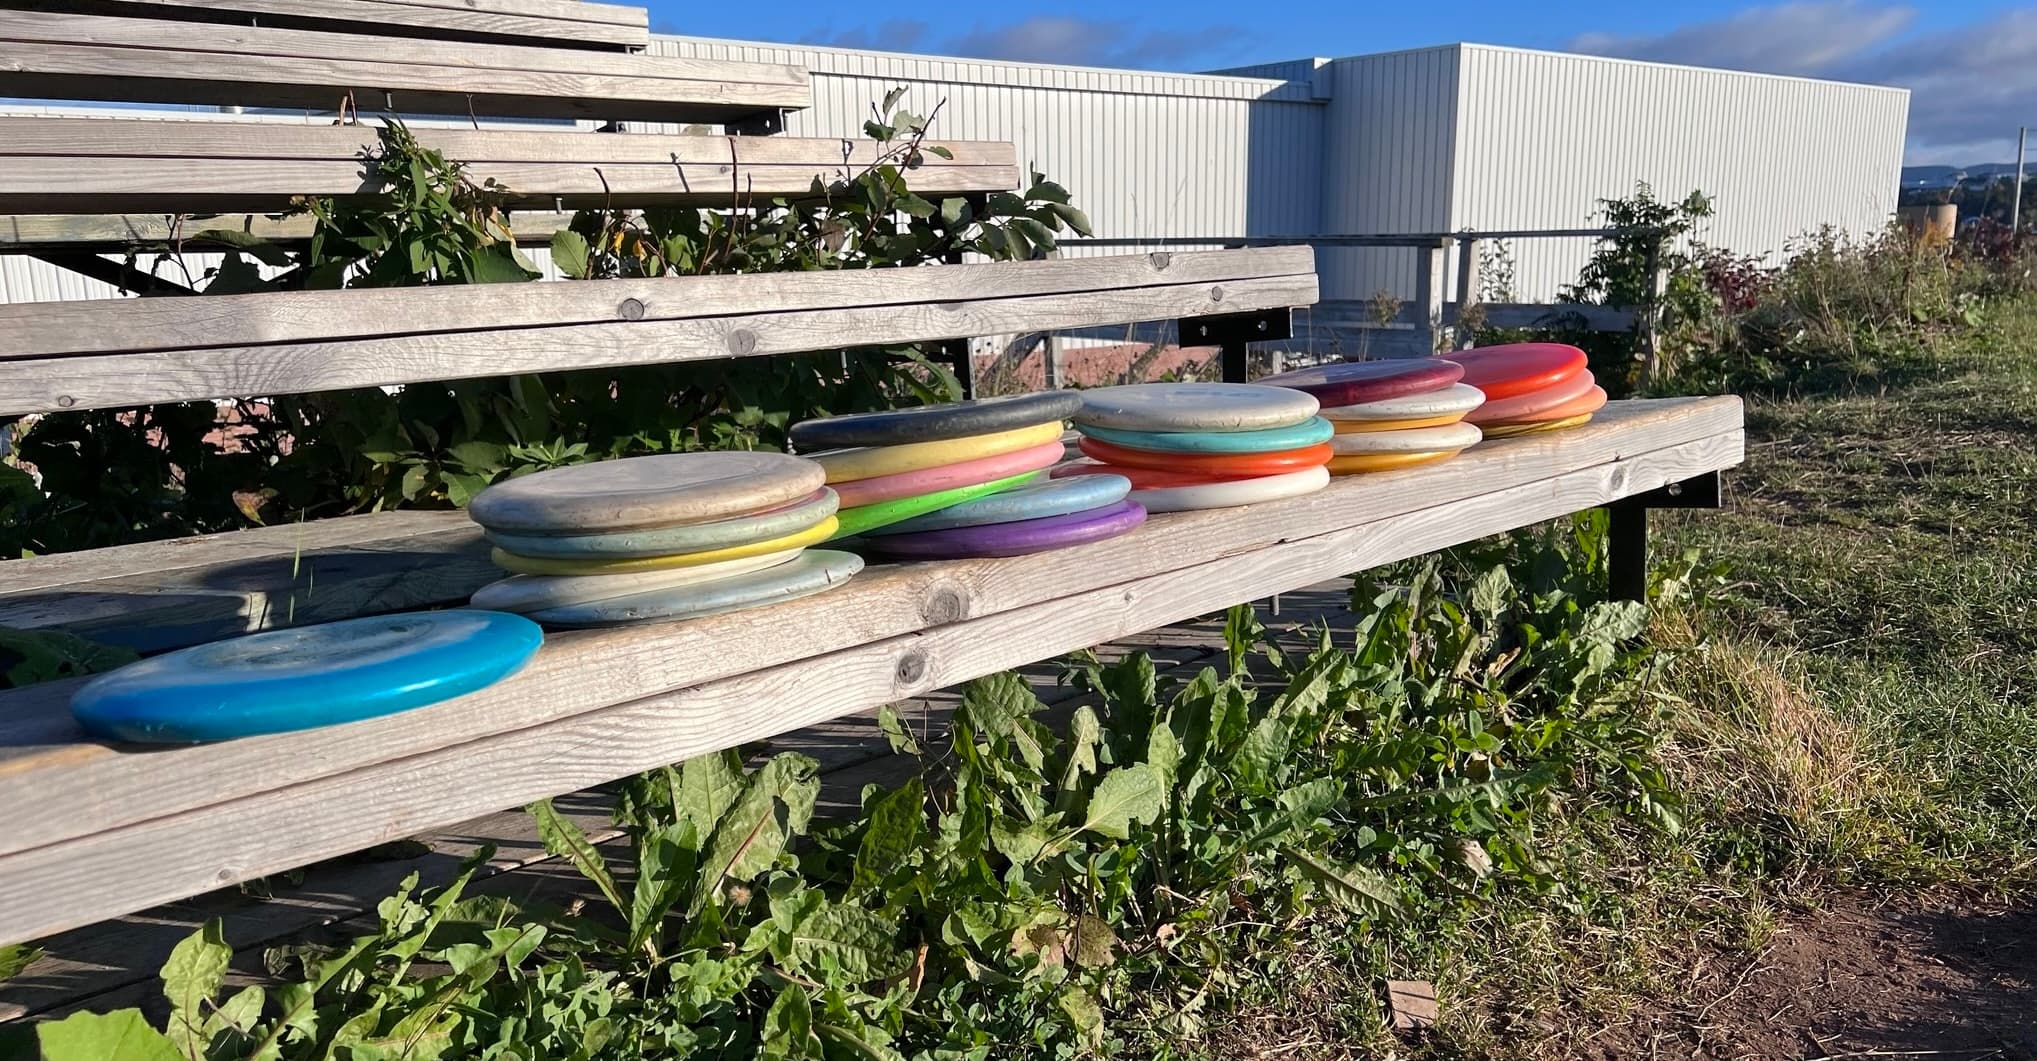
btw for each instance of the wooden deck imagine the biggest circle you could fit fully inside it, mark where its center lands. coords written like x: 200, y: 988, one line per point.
x: 113, y: 964
x: 597, y: 705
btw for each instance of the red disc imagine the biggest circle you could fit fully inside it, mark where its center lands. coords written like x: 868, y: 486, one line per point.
x: 1591, y: 401
x: 1144, y: 478
x: 1532, y: 404
x: 1234, y: 464
x: 1518, y: 368
x: 1358, y: 382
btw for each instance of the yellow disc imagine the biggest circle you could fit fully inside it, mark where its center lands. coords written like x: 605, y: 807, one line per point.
x: 1513, y: 430
x: 869, y: 462
x: 1363, y: 427
x: 1355, y: 463
x: 531, y: 565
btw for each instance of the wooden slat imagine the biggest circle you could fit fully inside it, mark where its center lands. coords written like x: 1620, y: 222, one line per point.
x: 58, y: 56
x: 116, y: 232
x: 92, y: 165
x: 314, y: 341
x: 553, y: 24
x: 571, y: 719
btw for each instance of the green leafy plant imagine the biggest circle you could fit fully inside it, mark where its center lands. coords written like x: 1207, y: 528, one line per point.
x: 116, y: 476
x: 1038, y: 883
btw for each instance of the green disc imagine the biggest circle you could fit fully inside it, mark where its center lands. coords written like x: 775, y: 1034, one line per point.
x: 864, y: 518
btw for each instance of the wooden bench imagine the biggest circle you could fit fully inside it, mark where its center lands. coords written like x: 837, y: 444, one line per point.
x: 50, y: 55
x: 98, y: 830
x: 555, y: 23
x: 111, y: 165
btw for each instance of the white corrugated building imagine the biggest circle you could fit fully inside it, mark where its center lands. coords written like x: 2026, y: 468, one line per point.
x: 1431, y: 140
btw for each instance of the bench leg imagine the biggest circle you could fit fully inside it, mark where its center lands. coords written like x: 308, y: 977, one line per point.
x: 1232, y: 331
x: 1627, y: 531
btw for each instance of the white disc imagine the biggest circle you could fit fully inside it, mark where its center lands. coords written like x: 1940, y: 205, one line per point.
x: 1412, y: 440
x: 1451, y: 400
x: 1194, y: 407
x: 1234, y: 492
x: 531, y: 593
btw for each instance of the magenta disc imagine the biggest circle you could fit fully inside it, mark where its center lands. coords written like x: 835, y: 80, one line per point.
x: 1014, y: 539
x: 1358, y: 382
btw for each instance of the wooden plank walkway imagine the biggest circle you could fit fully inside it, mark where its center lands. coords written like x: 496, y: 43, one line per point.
x: 597, y: 705
x: 113, y: 964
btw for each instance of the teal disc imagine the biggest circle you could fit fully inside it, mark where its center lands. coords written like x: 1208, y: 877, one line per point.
x: 1040, y: 500
x: 1313, y: 431
x: 815, y: 570
x: 304, y: 677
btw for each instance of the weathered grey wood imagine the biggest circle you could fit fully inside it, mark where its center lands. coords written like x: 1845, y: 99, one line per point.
x: 1431, y: 280
x: 119, y: 232
x: 77, y: 881
x: 554, y: 24
x: 113, y: 964
x: 890, y: 314
x: 95, y: 165
x: 42, y: 329
x: 60, y: 56
x: 85, y: 183
x: 97, y: 787
x: 253, y: 579
x: 1467, y: 287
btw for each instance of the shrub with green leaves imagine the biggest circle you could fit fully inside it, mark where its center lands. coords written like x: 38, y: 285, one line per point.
x: 1036, y: 884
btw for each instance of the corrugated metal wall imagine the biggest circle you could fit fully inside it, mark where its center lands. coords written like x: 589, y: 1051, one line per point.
x: 1430, y: 140
x: 1142, y: 154
x: 1544, y: 136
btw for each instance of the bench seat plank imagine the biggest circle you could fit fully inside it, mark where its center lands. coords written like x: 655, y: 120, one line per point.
x: 111, y: 165
x: 253, y: 345
x: 88, y: 57
x: 601, y: 704
x: 552, y: 23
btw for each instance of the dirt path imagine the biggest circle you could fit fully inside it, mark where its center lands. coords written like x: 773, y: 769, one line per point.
x: 1943, y: 980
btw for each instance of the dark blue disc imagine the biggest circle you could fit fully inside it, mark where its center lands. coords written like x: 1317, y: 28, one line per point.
x: 930, y: 423
x: 304, y: 677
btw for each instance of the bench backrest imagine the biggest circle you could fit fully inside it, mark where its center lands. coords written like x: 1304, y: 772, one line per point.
x: 555, y: 23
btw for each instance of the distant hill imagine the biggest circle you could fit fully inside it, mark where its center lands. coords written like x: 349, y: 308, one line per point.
x: 1947, y: 176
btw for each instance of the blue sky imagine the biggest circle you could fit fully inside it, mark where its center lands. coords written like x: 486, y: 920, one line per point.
x: 1971, y: 64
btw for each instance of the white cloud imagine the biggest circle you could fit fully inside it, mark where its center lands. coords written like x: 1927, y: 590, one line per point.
x: 1057, y: 39
x: 1970, y: 86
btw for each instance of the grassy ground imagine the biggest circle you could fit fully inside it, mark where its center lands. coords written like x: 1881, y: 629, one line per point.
x: 1857, y: 724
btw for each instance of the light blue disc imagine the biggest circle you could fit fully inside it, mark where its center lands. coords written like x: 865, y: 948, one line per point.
x: 1313, y: 431
x: 1051, y: 497
x: 813, y: 571
x: 309, y: 676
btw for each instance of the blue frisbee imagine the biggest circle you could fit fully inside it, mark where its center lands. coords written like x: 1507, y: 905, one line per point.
x: 1313, y: 431
x: 1051, y: 497
x: 305, y: 677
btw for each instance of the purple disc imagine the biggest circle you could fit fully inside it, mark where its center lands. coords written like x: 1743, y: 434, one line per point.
x: 1357, y: 382
x: 1014, y: 539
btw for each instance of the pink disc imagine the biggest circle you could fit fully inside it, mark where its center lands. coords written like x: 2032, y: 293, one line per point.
x: 1533, y: 403
x: 949, y: 476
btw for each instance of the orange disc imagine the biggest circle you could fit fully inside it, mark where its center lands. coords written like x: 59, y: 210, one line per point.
x: 1363, y: 427
x: 1356, y: 463
x: 1585, y: 404
x: 1518, y: 368
x: 1233, y: 464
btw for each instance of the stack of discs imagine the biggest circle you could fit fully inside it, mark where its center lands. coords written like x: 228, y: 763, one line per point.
x: 963, y: 479
x: 1390, y: 414
x: 1190, y: 446
x: 650, y: 539
x: 1530, y: 387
